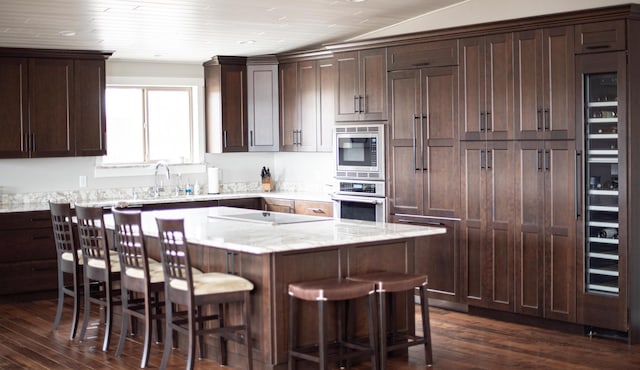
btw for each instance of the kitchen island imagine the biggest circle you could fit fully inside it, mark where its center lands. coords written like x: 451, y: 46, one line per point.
x: 274, y: 249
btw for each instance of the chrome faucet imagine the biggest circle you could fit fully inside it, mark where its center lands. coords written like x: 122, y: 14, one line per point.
x: 158, y: 187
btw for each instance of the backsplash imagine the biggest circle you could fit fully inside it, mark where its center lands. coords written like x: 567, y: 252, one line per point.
x: 132, y: 193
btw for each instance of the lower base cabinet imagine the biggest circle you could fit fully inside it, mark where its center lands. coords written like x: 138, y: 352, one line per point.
x: 28, y: 254
x: 438, y: 257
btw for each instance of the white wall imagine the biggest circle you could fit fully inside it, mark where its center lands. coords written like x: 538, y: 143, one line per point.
x: 481, y: 11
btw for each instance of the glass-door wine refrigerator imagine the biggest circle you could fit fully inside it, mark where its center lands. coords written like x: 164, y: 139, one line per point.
x: 602, y: 293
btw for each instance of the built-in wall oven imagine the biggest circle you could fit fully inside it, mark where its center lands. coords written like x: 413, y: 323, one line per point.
x: 360, y: 151
x: 360, y: 200
x: 359, y: 188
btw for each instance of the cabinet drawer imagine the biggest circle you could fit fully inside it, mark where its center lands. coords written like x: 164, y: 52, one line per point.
x: 278, y: 205
x: 428, y: 54
x: 601, y: 36
x: 27, y: 245
x: 26, y: 277
x: 25, y: 220
x: 314, y: 208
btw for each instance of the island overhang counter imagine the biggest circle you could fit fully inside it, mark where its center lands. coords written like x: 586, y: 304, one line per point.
x: 275, y: 249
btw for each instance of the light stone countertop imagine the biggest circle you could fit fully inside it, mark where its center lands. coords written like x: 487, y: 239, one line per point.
x: 215, y: 227
x: 40, y: 206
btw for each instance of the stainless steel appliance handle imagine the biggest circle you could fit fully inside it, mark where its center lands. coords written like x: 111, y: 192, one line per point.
x: 362, y: 199
x: 578, y: 180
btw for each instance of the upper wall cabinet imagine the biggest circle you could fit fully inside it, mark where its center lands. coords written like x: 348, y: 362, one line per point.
x: 307, y: 101
x: 225, y: 84
x: 361, y: 85
x: 262, y: 99
x: 600, y: 36
x: 53, y: 103
x: 486, y: 86
x: 544, y: 80
x: 423, y: 55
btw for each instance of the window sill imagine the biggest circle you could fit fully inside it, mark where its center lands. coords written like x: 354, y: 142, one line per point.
x: 146, y: 169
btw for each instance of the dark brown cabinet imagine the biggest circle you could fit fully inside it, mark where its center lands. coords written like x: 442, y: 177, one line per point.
x: 361, y: 90
x: 438, y: 257
x: 545, y: 229
x: 544, y: 84
x: 89, y: 112
x: 14, y: 108
x: 28, y: 256
x: 307, y: 91
x: 53, y: 103
x: 486, y: 86
x: 226, y: 104
x: 423, y: 145
x: 486, y: 228
x: 423, y: 183
x: 601, y: 37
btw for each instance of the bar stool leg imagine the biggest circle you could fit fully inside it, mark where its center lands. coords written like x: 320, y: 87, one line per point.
x: 323, y: 346
x: 382, y: 323
x: 373, y: 336
x: 426, y: 326
x: 293, y: 314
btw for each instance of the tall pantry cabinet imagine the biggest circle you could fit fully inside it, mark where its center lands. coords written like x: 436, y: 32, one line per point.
x: 422, y: 156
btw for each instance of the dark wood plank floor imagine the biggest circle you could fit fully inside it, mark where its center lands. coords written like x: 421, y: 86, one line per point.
x: 460, y: 341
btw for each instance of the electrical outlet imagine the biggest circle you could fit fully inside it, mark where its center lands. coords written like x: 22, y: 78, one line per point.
x: 82, y: 181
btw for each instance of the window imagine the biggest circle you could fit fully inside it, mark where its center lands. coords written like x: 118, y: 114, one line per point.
x: 148, y: 124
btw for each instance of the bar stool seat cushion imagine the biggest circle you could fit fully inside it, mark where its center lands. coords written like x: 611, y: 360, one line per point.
x: 332, y: 289
x: 156, y: 274
x: 114, y: 260
x: 214, y: 283
x: 67, y: 256
x: 388, y: 281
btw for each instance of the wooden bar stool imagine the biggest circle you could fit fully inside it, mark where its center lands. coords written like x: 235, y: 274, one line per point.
x: 394, y: 282
x: 194, y: 291
x: 102, y: 265
x: 340, y: 291
x: 69, y: 261
x: 140, y: 275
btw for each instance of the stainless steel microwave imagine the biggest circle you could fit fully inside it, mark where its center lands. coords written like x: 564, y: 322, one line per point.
x: 360, y: 151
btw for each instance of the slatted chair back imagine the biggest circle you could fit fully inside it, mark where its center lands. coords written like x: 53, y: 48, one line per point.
x: 62, y: 220
x: 131, y: 246
x: 92, y: 236
x: 175, y: 258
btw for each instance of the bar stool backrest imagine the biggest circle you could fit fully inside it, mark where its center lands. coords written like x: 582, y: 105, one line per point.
x: 92, y: 235
x: 130, y: 244
x: 62, y: 221
x: 176, y: 262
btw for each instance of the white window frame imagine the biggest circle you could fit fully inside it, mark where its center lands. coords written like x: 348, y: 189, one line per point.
x: 198, y: 130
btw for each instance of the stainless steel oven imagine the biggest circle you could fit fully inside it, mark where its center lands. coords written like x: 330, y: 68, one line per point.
x: 360, y: 151
x: 360, y: 200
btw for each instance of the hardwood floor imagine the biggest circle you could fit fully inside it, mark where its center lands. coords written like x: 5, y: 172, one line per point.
x: 460, y: 341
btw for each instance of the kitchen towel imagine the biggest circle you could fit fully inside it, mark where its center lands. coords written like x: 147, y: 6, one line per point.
x: 213, y: 180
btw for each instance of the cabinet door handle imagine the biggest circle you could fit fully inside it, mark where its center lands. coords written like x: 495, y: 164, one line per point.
x: 361, y: 103
x: 577, y: 179
x: 299, y: 137
x: 481, y: 121
x: 482, y: 159
x: 27, y: 141
x: 546, y: 119
x: 547, y: 160
x: 430, y: 223
x: 415, y: 143
x: 538, y: 120
x: 488, y: 126
x: 489, y: 159
x: 33, y: 142
x: 293, y: 137
x: 539, y: 160
x: 224, y: 137
x: 423, y: 126
x: 315, y: 210
x: 356, y: 104
x: 250, y: 137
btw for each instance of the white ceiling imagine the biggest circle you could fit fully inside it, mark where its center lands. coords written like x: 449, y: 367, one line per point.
x: 195, y: 30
